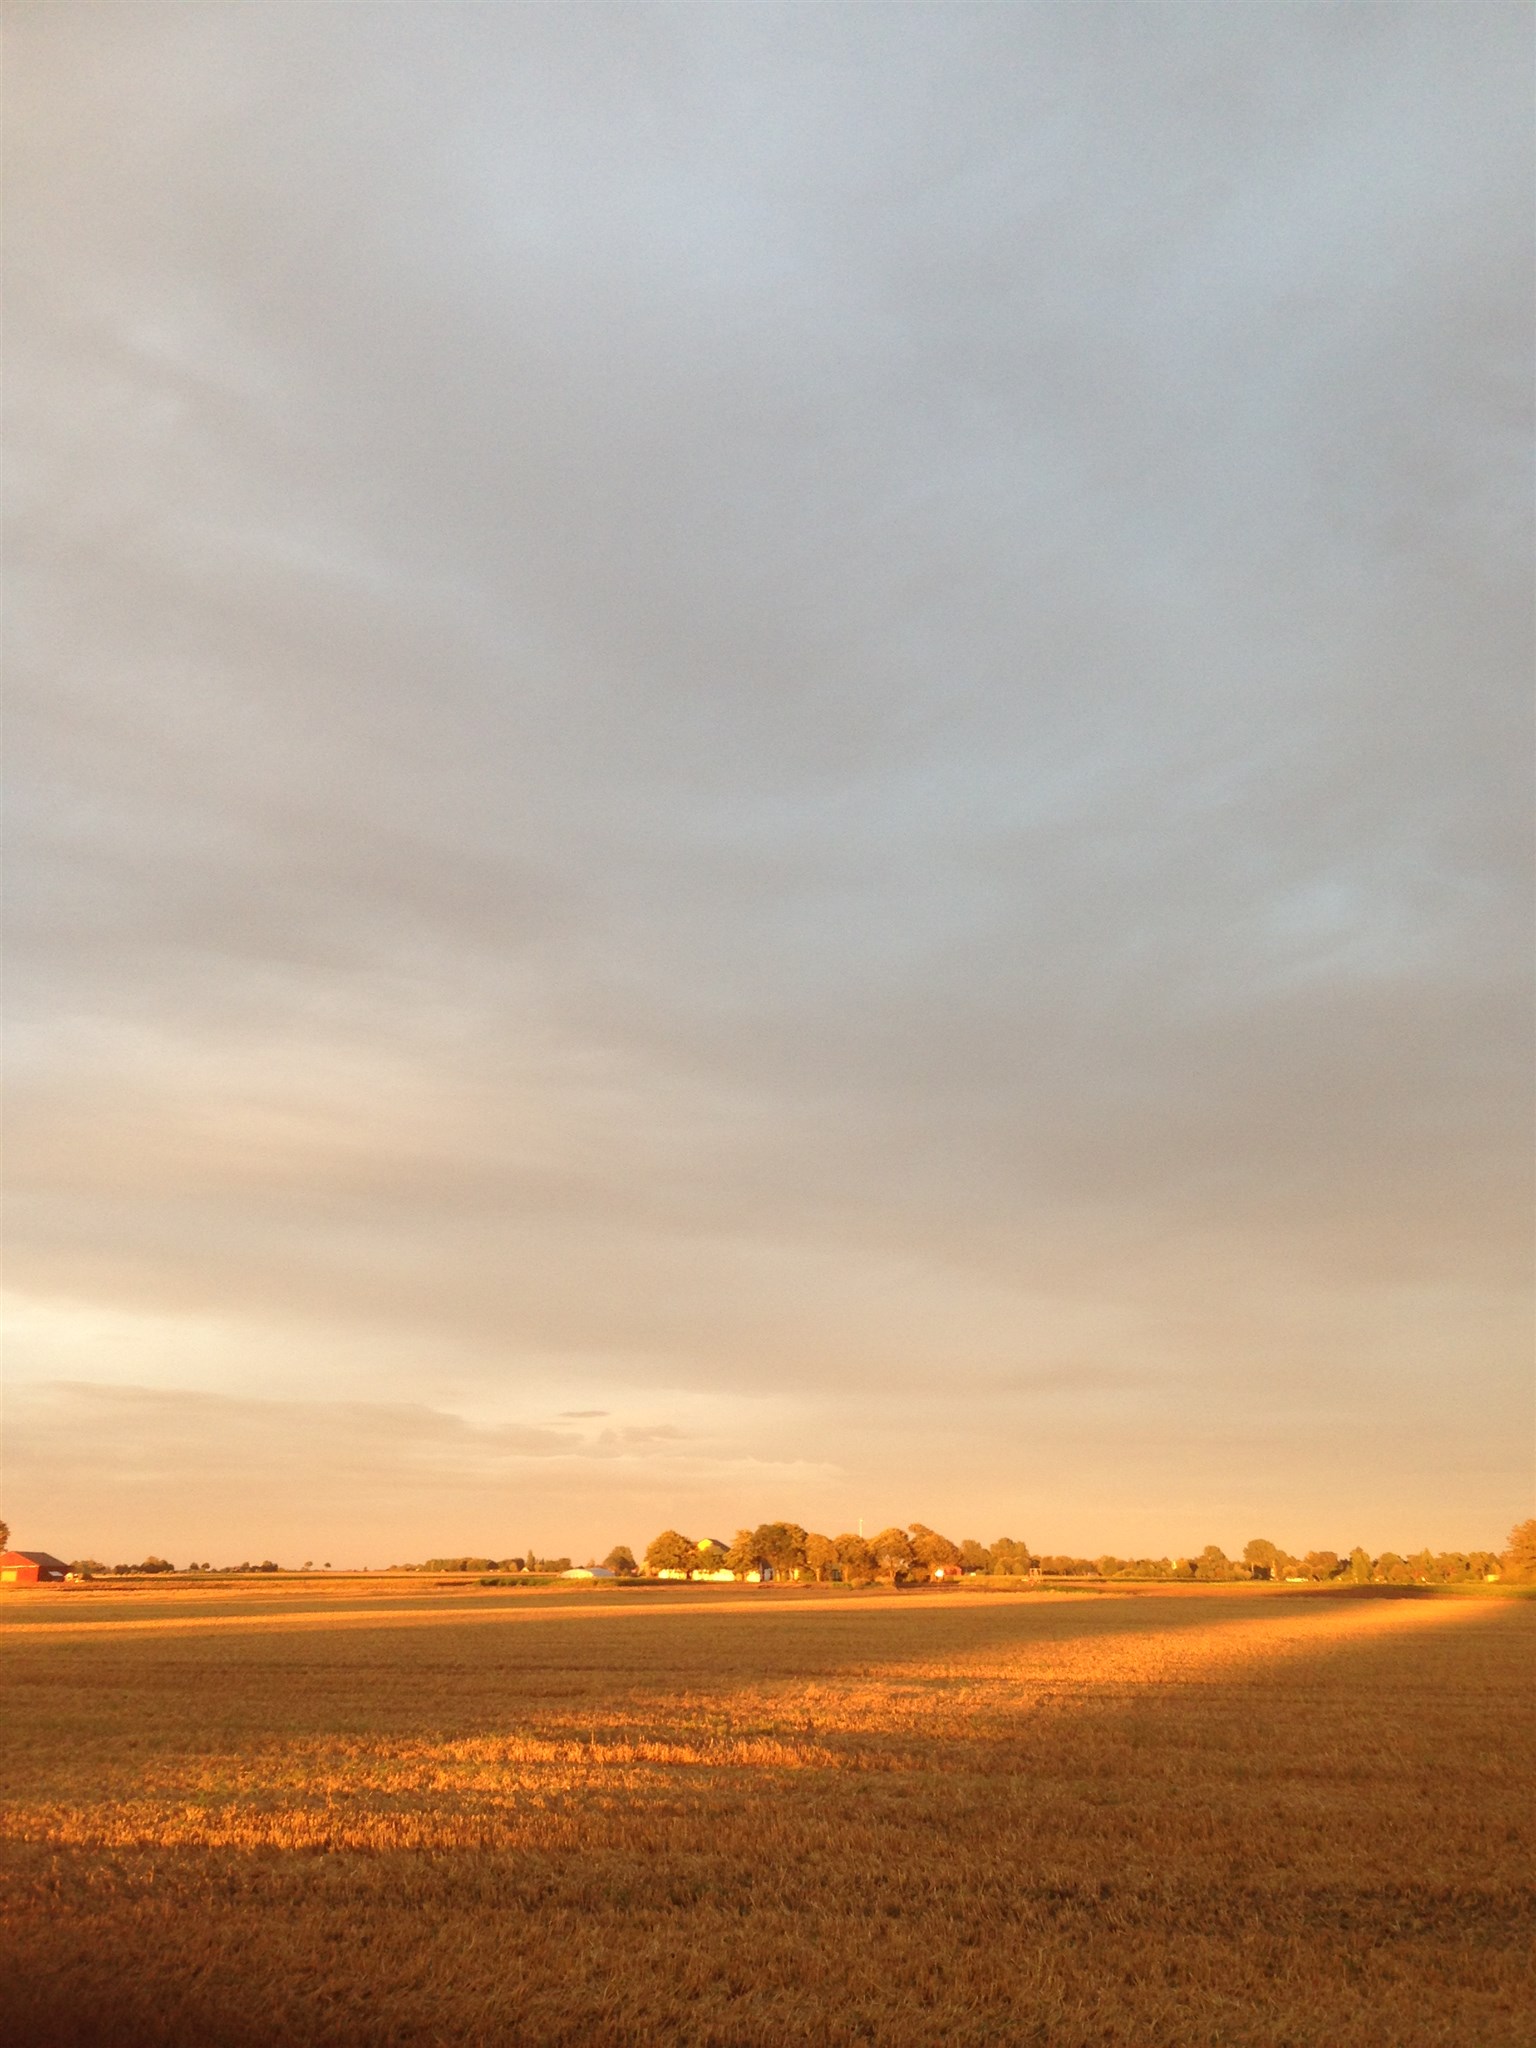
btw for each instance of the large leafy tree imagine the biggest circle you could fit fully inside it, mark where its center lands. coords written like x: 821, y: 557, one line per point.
x: 1260, y: 1555
x: 743, y: 1555
x: 930, y: 1548
x: 621, y: 1559
x: 855, y: 1560
x: 1519, y: 1557
x: 671, y: 1552
x: 821, y: 1555
x: 1011, y: 1558
x: 893, y: 1553
x: 782, y: 1545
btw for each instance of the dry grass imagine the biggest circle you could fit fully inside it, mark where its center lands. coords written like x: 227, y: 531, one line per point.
x: 1143, y: 1819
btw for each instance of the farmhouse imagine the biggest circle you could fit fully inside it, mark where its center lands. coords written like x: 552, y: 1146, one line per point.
x: 711, y: 1564
x: 30, y: 1568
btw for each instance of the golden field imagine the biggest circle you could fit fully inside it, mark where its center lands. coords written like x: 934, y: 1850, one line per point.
x: 634, y: 1816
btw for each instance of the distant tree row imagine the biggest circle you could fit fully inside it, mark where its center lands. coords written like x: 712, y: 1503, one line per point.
x: 916, y: 1553
x: 92, y: 1568
x: 776, y: 1550
x: 526, y: 1563
x: 619, y: 1560
x: 784, y: 1550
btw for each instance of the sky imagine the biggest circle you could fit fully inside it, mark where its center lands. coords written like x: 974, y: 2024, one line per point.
x: 767, y: 762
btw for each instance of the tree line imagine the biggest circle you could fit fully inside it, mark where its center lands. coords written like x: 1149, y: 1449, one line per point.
x: 915, y: 1554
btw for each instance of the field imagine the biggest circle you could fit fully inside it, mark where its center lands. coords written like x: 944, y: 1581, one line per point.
x: 1222, y: 1816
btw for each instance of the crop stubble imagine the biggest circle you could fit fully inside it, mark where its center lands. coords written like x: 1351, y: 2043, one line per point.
x: 1145, y: 1820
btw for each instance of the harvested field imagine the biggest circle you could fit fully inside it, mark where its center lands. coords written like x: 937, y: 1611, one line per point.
x: 1218, y: 1818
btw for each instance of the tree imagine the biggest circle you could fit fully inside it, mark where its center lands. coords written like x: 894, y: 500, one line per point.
x: 1213, y: 1565
x: 621, y: 1560
x: 781, y: 1545
x: 1519, y: 1555
x: 742, y: 1556
x: 930, y: 1548
x: 1360, y: 1566
x: 1010, y: 1558
x: 1263, y: 1558
x: 5, y: 1535
x: 855, y: 1560
x: 670, y: 1552
x: 821, y: 1556
x: 974, y: 1557
x: 1321, y: 1564
x: 892, y: 1553
x: 1148, y: 1568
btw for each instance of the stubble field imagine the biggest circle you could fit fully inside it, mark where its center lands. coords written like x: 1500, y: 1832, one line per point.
x: 1238, y: 1817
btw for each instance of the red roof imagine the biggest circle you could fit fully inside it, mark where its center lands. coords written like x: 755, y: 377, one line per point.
x: 40, y: 1558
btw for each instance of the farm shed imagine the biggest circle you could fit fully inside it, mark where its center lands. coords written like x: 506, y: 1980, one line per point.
x: 30, y: 1568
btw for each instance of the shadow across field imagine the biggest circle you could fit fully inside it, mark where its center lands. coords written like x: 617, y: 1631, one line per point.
x: 1150, y: 1823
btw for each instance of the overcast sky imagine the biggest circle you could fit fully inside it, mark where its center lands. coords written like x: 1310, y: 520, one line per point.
x: 768, y: 762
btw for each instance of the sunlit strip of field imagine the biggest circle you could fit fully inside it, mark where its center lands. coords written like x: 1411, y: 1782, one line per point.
x: 429, y: 1610
x: 1136, y: 1820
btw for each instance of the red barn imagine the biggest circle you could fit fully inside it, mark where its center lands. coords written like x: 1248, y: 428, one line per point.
x: 30, y: 1568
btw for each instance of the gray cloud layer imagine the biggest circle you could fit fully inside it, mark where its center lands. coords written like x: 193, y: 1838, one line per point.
x: 721, y: 700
